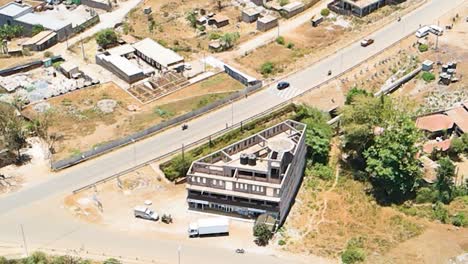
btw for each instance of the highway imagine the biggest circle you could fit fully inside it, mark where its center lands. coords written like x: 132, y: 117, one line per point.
x: 38, y: 207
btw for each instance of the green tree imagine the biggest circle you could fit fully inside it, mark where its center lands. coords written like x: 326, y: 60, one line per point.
x: 36, y: 29
x: 459, y: 145
x: 428, y: 77
x: 444, y: 183
x: 426, y: 195
x: 423, y: 47
x: 460, y: 219
x: 322, y: 171
x: 391, y: 163
x: 280, y: 40
x: 325, y: 12
x: 12, y: 127
x: 262, y: 234
x: 191, y: 18
x: 229, y: 39
x: 353, y: 252
x: 37, y: 258
x: 178, y: 167
x: 10, y: 31
x: 355, y: 91
x: 106, y: 37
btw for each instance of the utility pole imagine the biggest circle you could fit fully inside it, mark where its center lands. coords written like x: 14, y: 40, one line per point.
x: 183, y: 158
x: 82, y: 48
x: 134, y: 152
x: 178, y: 254
x: 24, y: 241
x: 437, y: 37
x: 232, y: 113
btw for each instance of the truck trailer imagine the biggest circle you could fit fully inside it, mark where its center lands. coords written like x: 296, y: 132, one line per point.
x: 209, y: 226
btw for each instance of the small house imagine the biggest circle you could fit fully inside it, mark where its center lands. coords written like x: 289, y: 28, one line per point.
x: 219, y: 21
x: 427, y: 65
x: 41, y: 41
x: 292, y: 9
x: 250, y: 15
x: 69, y: 69
x: 266, y: 23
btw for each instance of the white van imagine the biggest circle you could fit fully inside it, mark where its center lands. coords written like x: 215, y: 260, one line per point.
x: 436, y: 30
x: 422, y: 32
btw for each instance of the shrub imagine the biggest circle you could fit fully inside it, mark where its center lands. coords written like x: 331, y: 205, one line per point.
x: 290, y: 45
x: 112, y: 261
x: 440, y: 212
x: 325, y: 12
x: 267, y: 68
x: 48, y: 54
x: 281, y: 242
x: 353, y: 252
x: 262, y: 234
x: 106, y: 37
x: 214, y: 35
x: 280, y: 40
x: 283, y: 2
x: 178, y: 167
x: 192, y: 18
x: 459, y: 220
x: 324, y: 172
x: 355, y: 91
x: 426, y: 195
x: 423, y: 48
x: 428, y: 77
x: 37, y: 29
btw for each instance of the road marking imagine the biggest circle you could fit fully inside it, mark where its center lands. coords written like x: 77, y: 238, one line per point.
x: 285, y: 93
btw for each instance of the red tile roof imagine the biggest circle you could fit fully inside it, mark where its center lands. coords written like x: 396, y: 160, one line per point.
x: 444, y: 145
x: 459, y: 116
x: 434, y: 123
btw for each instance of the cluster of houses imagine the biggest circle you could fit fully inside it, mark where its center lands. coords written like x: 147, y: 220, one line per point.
x: 136, y: 61
x: 59, y: 23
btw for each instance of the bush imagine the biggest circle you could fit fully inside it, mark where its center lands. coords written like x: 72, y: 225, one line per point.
x: 106, y: 37
x: 267, y: 68
x: 112, y: 261
x: 423, y: 48
x: 178, y: 167
x: 459, y: 220
x: 214, y: 35
x: 262, y: 234
x: 325, y: 12
x: 48, y: 54
x: 280, y: 40
x: 191, y: 18
x: 36, y: 29
x: 281, y: 242
x: 426, y: 195
x: 324, y: 172
x: 283, y: 2
x: 428, y: 77
x: 440, y: 212
x: 355, y: 91
x: 353, y: 252
x: 290, y: 45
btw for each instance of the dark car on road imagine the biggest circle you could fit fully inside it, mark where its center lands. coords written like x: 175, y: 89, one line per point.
x: 282, y: 85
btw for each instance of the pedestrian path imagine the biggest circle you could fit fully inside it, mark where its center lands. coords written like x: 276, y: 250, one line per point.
x: 287, y: 93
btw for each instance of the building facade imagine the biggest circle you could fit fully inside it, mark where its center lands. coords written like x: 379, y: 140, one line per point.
x: 359, y: 8
x: 258, y: 175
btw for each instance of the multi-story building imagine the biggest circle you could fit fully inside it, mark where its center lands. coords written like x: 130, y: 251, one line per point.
x: 359, y: 8
x: 257, y: 175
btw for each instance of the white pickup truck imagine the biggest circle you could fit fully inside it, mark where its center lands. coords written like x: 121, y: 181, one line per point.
x: 145, y: 213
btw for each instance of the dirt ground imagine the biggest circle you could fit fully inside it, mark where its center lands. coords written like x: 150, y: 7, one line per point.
x: 310, y: 44
x: 172, y: 29
x: 136, y: 188
x: 81, y: 125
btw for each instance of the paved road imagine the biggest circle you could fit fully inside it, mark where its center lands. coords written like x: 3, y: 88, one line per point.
x: 37, y: 207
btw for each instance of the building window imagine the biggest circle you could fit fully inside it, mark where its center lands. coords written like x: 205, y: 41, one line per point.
x: 214, y: 182
x: 204, y: 180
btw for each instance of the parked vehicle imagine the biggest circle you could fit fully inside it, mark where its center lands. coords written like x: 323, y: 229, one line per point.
x: 366, y: 42
x: 240, y: 251
x: 145, y: 213
x: 422, y: 32
x: 282, y: 85
x: 436, y: 30
x: 209, y: 226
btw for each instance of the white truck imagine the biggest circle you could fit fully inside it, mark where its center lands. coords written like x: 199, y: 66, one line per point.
x: 209, y: 226
x: 145, y: 213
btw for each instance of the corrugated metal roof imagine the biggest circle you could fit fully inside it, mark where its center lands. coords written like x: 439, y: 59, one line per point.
x: 158, y: 53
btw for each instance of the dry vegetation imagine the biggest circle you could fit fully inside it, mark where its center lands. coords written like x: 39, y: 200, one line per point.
x: 83, y: 126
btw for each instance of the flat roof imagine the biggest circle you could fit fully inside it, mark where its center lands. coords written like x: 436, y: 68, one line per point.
x: 361, y: 3
x: 13, y: 9
x: 459, y: 116
x: 121, y: 50
x: 434, y: 123
x: 251, y: 11
x: 68, y: 66
x: 293, y: 6
x: 48, y: 22
x: 40, y: 37
x: 267, y: 19
x: 157, y: 52
x: 122, y: 64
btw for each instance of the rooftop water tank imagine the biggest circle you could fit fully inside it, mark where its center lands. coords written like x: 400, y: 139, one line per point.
x: 244, y: 159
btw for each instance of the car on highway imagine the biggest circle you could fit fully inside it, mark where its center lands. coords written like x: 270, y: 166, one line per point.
x: 282, y: 85
x: 366, y: 42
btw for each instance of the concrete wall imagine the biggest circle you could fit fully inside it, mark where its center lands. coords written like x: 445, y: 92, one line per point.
x: 97, y: 4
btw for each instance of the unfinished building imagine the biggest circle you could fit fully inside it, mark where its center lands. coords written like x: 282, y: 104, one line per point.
x: 258, y: 175
x: 359, y: 8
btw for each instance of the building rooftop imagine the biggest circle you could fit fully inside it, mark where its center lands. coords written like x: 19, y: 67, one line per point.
x: 443, y: 145
x: 267, y: 19
x: 459, y: 116
x: 68, y: 66
x: 251, y: 11
x: 121, y: 50
x: 361, y: 3
x: 13, y: 9
x: 219, y: 18
x: 156, y: 52
x: 434, y: 123
x: 293, y: 6
x: 122, y: 64
x: 48, y: 22
x: 40, y: 38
